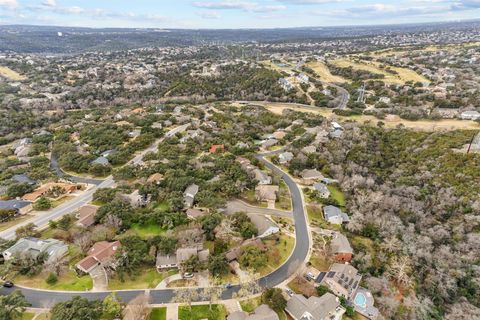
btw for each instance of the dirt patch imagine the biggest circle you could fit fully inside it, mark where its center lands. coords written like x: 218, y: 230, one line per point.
x: 10, y: 74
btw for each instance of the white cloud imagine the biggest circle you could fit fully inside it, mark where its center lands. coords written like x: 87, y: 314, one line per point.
x: 209, y: 15
x: 11, y: 4
x: 238, y: 5
x: 50, y: 3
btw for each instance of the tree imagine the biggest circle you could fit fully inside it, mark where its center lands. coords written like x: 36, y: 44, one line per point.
x: 42, y: 204
x: 77, y: 308
x: 51, y: 279
x: 214, y: 293
x: 253, y: 258
x: 137, y: 309
x: 218, y: 264
x: 273, y: 297
x: 248, y: 286
x: 19, y: 189
x: 12, y: 306
x: 321, y: 290
x: 186, y: 296
x: 29, y: 230
x: 112, y: 307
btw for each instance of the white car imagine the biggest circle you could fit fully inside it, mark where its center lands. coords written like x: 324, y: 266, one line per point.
x: 188, y: 275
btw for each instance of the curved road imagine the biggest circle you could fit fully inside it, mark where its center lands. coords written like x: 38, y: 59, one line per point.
x: 42, y: 298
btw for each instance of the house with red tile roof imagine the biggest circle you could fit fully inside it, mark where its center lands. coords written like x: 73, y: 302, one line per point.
x: 101, y: 254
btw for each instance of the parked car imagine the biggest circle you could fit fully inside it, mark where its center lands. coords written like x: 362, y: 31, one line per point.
x: 309, y: 276
x: 188, y: 275
x: 8, y: 284
x: 228, y: 286
x: 289, y: 292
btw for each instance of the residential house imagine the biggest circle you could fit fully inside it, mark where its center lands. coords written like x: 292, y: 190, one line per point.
x: 303, y: 78
x: 189, y: 195
x: 322, y: 189
x: 20, y: 206
x: 285, y: 157
x: 278, y: 135
x: 23, y: 178
x: 264, y: 225
x: 48, y: 187
x: 155, y: 178
x: 101, y: 161
x: 267, y: 193
x: 86, y: 216
x: 334, y: 215
x: 262, y: 312
x: 217, y: 148
x: 55, y: 249
x: 285, y: 84
x: 269, y: 143
x: 136, y: 200
x: 340, y: 248
x: 101, y: 254
x: 470, y: 115
x: 326, y: 307
x: 309, y: 176
x: 309, y: 149
x: 261, y: 177
x: 343, y: 280
x: 181, y: 255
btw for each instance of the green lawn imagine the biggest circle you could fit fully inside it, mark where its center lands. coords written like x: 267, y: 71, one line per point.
x: 147, y: 231
x: 68, y: 281
x: 159, y: 314
x: 250, y: 304
x: 145, y: 278
x: 163, y: 206
x: 315, y: 217
x: 249, y: 197
x: 336, y: 194
x: 278, y: 252
x: 26, y: 316
x: 218, y: 312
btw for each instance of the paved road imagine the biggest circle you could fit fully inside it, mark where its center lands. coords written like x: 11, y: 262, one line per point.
x: 234, y: 206
x: 73, y: 205
x: 42, y: 298
x: 54, y: 165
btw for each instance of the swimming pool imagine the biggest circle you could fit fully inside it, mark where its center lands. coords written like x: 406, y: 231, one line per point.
x: 360, y: 300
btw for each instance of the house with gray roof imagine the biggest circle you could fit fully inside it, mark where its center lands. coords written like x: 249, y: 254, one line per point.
x: 322, y: 190
x: 101, y: 160
x: 285, y: 157
x: 20, y: 206
x: 182, y: 254
x: 189, y: 195
x: 264, y: 225
x: 340, y: 247
x: 326, y: 307
x: 55, y: 249
x: 261, y: 177
x: 335, y: 215
x: 262, y: 312
x: 23, y: 178
x: 343, y: 280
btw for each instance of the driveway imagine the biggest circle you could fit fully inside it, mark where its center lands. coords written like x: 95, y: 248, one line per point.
x: 238, y: 205
x: 99, y: 278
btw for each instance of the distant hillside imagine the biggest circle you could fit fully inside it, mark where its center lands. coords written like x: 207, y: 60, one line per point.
x: 68, y: 40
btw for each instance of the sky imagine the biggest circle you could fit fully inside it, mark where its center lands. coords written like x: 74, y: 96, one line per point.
x: 218, y: 14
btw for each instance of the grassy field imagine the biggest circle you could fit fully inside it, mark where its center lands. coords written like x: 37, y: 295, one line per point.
x: 145, y: 278
x: 315, y: 217
x: 158, y: 314
x: 324, y: 73
x: 147, y: 231
x: 14, y: 222
x: 26, y: 316
x: 218, y: 312
x: 10, y: 74
x: 278, y: 252
x: 68, y: 281
x: 284, y: 200
x: 337, y: 195
x: 404, y: 74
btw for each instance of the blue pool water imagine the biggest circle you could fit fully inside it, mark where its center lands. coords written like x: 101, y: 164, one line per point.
x: 360, y: 300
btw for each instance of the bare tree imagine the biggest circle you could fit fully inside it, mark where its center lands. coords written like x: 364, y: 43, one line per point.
x: 400, y: 270
x: 186, y: 296
x: 137, y: 309
x: 248, y: 286
x: 214, y: 292
x: 83, y: 241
